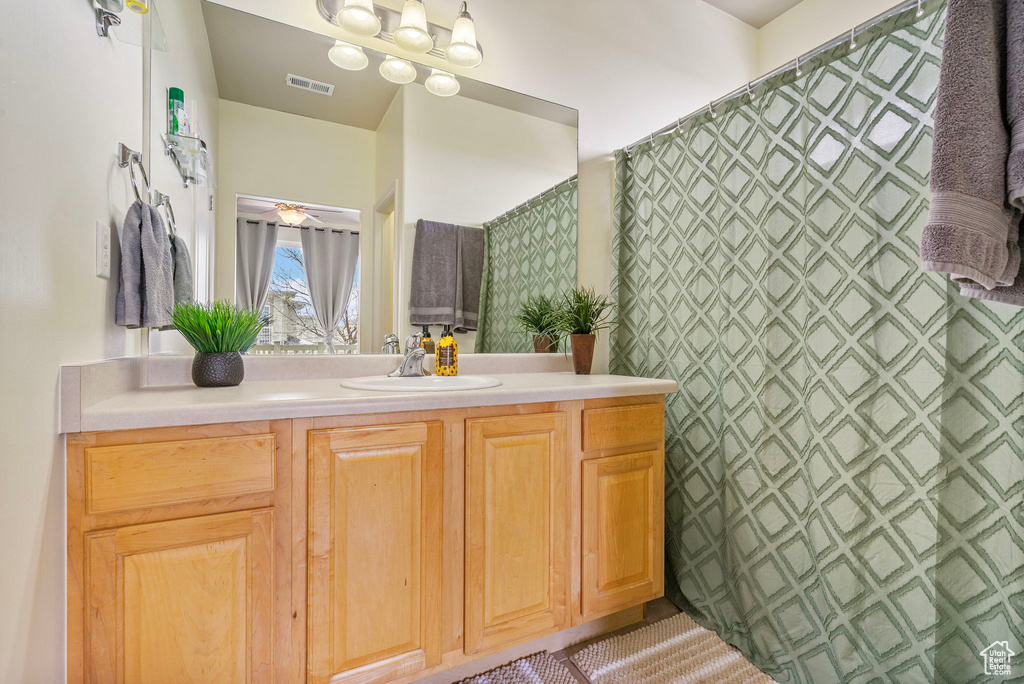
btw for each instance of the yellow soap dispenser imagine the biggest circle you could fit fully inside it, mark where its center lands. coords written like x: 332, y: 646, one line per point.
x: 427, y: 342
x: 447, y: 354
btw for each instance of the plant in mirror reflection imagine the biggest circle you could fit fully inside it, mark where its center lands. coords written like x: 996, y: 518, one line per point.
x: 583, y: 312
x: 218, y: 327
x: 539, y: 315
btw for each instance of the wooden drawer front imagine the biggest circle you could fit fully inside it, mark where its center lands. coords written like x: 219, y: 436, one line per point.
x: 622, y: 426
x: 121, y: 478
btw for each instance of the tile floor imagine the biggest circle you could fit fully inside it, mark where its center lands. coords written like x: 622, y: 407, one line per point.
x: 659, y: 609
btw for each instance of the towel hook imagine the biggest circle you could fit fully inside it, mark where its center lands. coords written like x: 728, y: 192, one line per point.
x: 128, y: 157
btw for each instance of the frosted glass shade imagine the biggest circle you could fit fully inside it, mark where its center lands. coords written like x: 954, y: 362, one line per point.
x: 397, y: 70
x: 291, y: 216
x: 442, y: 83
x: 348, y: 56
x: 411, y: 34
x: 462, y: 51
x: 358, y: 17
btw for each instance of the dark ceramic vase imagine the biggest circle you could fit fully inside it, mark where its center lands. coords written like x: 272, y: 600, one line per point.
x: 217, y: 369
x: 545, y: 344
x: 583, y: 353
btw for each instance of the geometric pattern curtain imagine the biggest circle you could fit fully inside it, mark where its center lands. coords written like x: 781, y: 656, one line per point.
x: 527, y: 252
x: 845, y: 456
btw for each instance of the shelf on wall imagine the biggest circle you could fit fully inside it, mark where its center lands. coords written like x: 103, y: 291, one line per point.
x: 187, y: 154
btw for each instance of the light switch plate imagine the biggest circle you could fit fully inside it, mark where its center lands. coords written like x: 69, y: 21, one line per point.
x: 102, y: 250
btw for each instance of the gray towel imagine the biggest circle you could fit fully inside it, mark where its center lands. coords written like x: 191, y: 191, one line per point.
x: 145, y: 291
x: 1013, y: 294
x: 972, y: 230
x: 447, y: 265
x: 182, y: 266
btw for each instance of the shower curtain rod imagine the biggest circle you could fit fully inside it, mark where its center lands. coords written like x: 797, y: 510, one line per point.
x: 747, y: 89
x: 547, y: 192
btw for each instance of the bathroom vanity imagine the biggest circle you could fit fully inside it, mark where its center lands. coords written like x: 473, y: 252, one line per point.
x: 332, y: 538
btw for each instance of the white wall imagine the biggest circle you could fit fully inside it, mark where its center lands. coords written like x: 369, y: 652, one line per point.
x: 810, y: 24
x: 467, y: 162
x: 266, y: 153
x: 67, y: 98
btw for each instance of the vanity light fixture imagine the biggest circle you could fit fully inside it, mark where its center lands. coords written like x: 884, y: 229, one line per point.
x: 398, y: 70
x: 463, y: 50
x: 348, y: 56
x: 411, y: 34
x: 442, y: 84
x: 358, y: 17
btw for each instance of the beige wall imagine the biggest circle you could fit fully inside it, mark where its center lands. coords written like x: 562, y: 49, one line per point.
x: 809, y: 24
x: 467, y: 162
x: 271, y: 154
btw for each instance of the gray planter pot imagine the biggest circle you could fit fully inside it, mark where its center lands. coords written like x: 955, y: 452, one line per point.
x: 221, y: 369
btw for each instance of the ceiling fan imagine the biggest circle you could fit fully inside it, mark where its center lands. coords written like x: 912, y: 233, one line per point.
x: 292, y: 214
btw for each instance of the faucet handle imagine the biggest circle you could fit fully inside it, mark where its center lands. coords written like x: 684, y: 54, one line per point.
x: 413, y: 341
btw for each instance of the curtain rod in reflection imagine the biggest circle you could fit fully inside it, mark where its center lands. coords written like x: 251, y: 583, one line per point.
x: 292, y: 225
x: 849, y: 36
x: 542, y: 195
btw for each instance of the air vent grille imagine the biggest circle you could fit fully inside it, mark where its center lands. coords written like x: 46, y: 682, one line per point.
x: 309, y: 84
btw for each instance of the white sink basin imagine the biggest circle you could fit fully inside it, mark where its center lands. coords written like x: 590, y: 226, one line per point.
x: 430, y: 383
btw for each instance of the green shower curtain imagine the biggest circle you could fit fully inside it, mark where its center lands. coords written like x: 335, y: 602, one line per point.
x: 527, y: 252
x: 845, y: 470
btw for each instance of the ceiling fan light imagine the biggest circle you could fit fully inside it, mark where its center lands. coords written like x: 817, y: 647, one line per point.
x: 463, y: 50
x: 348, y: 56
x: 397, y: 70
x: 358, y: 17
x: 291, y: 216
x: 442, y: 84
x: 411, y: 34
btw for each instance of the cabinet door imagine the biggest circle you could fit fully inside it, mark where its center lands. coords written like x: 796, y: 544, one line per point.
x: 623, y: 547
x: 516, y: 528
x: 182, y: 601
x: 375, y: 552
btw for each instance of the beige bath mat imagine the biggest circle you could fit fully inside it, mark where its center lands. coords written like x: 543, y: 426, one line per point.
x: 672, y: 651
x: 539, y: 668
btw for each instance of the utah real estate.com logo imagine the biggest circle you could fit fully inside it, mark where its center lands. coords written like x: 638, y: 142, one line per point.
x: 997, y: 658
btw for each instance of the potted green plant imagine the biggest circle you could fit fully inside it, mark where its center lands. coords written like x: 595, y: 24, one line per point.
x: 538, y: 316
x: 582, y: 314
x: 219, y: 332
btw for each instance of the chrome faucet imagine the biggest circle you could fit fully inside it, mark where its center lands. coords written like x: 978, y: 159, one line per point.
x: 390, y: 344
x: 412, y: 364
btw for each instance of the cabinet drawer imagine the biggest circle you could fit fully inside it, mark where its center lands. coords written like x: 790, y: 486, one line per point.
x: 622, y: 426
x: 121, y: 478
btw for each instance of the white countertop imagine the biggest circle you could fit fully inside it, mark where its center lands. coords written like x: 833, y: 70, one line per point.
x: 165, y: 405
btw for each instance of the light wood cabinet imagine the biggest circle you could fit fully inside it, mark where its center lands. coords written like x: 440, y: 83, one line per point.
x: 370, y: 549
x: 375, y: 551
x: 517, y: 503
x: 182, y: 601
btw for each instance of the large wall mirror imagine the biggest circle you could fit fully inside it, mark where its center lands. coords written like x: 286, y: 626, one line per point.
x: 308, y: 180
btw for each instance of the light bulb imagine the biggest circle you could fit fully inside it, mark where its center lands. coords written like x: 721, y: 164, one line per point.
x: 412, y: 33
x: 462, y: 51
x: 291, y: 216
x: 442, y: 83
x: 358, y: 17
x: 397, y: 70
x: 348, y: 56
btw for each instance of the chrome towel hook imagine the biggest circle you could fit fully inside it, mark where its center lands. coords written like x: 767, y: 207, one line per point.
x: 162, y: 200
x: 128, y: 158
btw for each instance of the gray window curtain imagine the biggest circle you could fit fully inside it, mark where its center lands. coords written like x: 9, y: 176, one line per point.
x: 845, y: 456
x: 329, y: 258
x: 255, y: 245
x: 529, y: 251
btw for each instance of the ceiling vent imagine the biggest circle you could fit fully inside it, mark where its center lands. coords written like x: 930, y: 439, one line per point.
x: 309, y: 84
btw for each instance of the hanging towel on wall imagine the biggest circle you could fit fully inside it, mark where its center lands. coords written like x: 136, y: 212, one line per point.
x: 1013, y: 294
x: 181, y: 263
x: 255, y: 245
x: 145, y: 293
x: 972, y: 232
x: 447, y: 265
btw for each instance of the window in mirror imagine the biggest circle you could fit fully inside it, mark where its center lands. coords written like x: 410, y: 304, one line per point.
x: 315, y: 266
